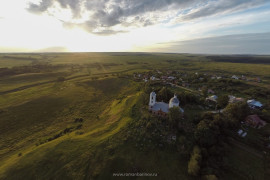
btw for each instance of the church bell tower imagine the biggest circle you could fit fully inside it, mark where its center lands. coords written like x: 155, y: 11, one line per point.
x: 152, y: 100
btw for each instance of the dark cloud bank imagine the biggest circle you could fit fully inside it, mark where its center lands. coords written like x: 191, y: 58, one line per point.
x: 232, y: 44
x: 104, y: 15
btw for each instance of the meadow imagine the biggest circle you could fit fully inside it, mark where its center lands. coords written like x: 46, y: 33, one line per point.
x: 66, y: 115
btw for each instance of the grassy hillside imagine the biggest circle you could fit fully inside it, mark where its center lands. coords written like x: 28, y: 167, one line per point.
x: 31, y: 116
x: 69, y: 155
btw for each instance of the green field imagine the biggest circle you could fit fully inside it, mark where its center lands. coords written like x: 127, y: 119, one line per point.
x: 66, y: 115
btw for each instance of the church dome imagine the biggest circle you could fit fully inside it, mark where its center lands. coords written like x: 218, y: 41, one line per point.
x: 174, y: 102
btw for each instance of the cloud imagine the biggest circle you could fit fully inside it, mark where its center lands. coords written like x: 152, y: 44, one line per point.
x: 221, y: 7
x: 257, y: 43
x: 41, y: 7
x: 23, y: 49
x: 115, y: 16
x: 53, y: 49
x: 4, y: 49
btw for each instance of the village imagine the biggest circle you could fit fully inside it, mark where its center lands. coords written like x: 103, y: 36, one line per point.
x: 209, y: 88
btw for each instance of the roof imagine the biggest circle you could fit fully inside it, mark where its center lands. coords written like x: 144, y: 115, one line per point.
x: 240, y: 131
x: 212, y: 98
x: 252, y: 102
x: 233, y: 99
x: 182, y: 110
x: 254, y: 118
x: 164, y: 107
x: 174, y: 100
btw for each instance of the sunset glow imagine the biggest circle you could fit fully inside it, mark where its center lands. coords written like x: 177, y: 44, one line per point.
x: 79, y: 25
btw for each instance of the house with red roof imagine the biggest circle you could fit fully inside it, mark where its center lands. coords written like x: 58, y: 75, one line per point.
x: 255, y: 121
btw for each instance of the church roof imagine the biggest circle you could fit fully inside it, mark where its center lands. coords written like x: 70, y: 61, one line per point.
x: 161, y: 105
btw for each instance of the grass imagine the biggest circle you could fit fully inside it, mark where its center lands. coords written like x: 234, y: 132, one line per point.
x: 43, y: 111
x: 8, y: 83
x: 244, y: 165
x: 77, y: 145
x: 162, y: 162
x: 143, y: 60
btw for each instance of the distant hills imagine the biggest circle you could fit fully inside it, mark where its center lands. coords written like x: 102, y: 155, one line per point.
x: 241, y: 59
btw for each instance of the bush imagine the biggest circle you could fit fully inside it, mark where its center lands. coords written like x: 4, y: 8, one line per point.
x: 78, y: 120
x: 61, y: 79
x: 194, y: 162
x: 210, y: 177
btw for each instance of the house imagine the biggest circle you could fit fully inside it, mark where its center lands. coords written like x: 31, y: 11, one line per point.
x: 244, y: 134
x: 238, y: 99
x: 255, y: 121
x: 162, y: 108
x: 243, y: 77
x: 235, y: 77
x: 240, y: 131
x: 171, y: 78
x: 219, y: 77
x: 212, y: 98
x: 153, y: 78
x: 233, y: 99
x: 254, y: 104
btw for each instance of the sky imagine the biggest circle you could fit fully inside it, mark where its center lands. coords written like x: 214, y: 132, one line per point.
x: 178, y: 26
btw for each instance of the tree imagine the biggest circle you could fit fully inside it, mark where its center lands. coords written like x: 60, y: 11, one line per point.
x: 194, y: 162
x: 165, y: 94
x: 147, y: 88
x: 236, y: 112
x: 174, y: 115
x: 205, y: 91
x: 222, y: 101
x: 210, y: 177
x: 206, y: 133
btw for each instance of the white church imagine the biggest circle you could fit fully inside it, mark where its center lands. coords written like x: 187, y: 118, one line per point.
x: 162, y: 108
